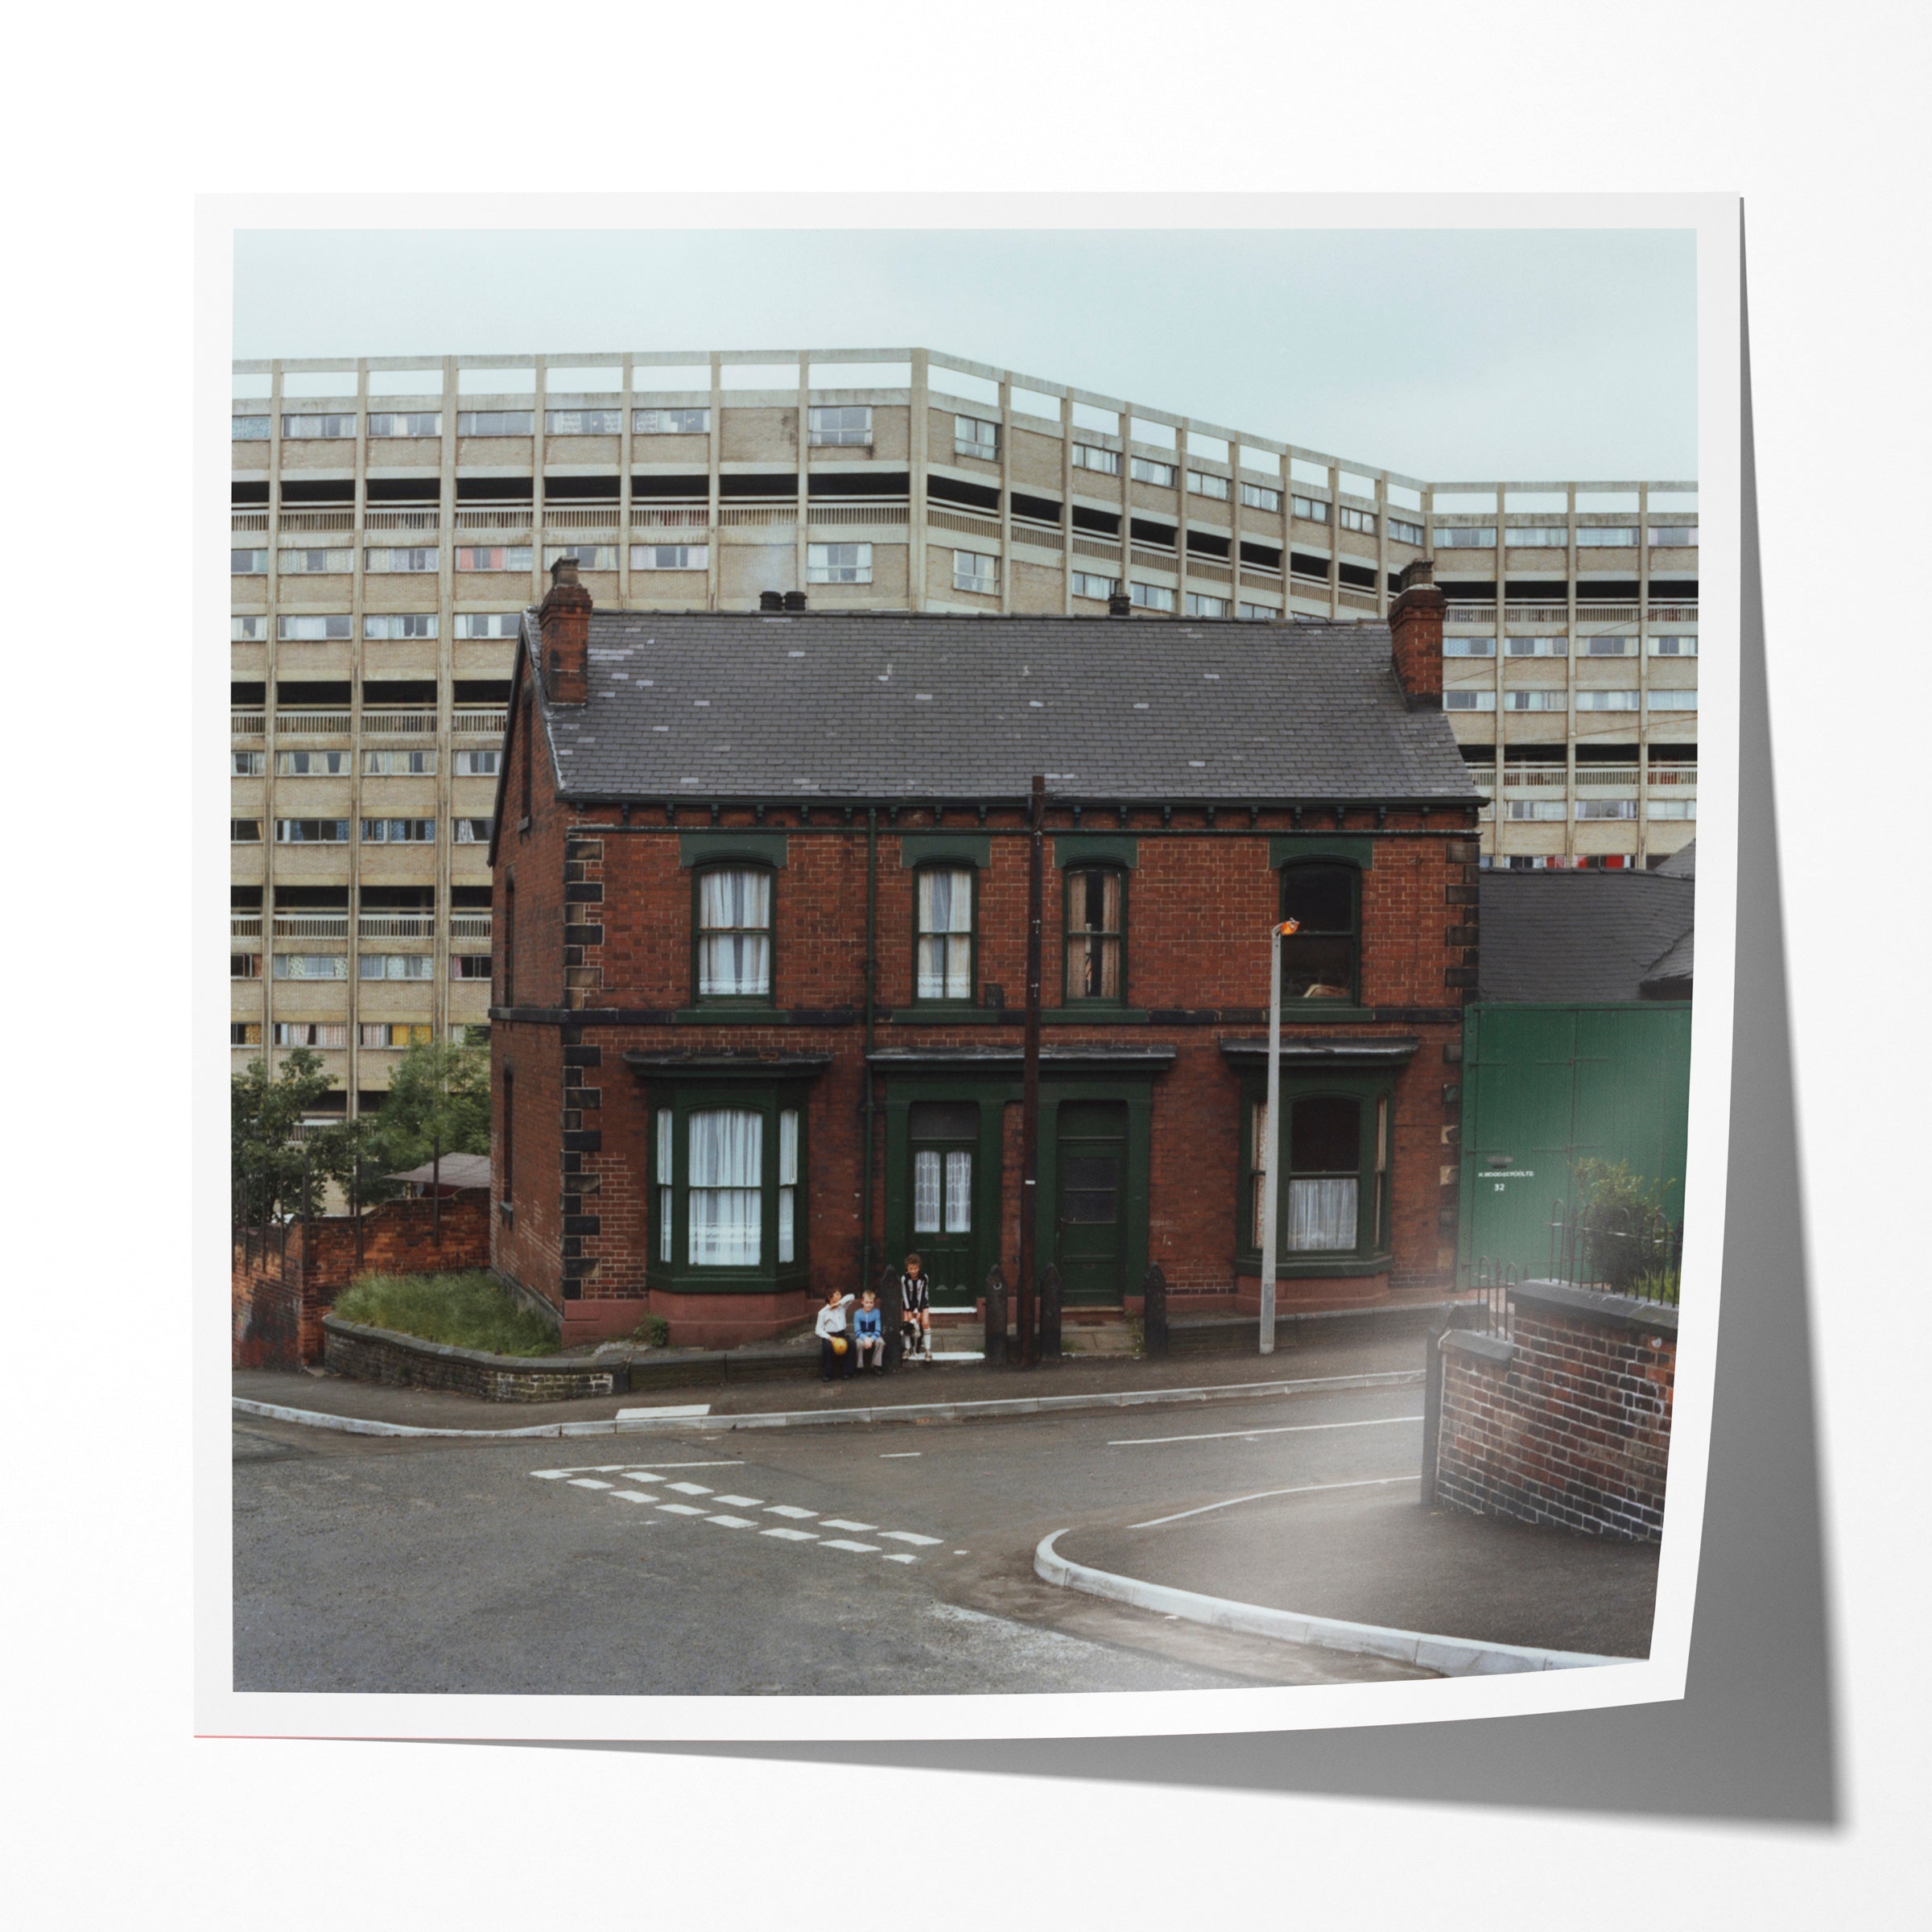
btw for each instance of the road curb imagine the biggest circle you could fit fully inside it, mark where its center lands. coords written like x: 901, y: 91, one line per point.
x: 1450, y: 1656
x: 812, y: 1419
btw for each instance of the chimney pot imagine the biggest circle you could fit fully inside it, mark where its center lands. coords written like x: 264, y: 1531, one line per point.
x: 771, y: 600
x: 563, y: 571
x: 1119, y: 605
x: 794, y: 600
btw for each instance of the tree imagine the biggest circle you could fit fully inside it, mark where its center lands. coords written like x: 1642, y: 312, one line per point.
x: 438, y: 1099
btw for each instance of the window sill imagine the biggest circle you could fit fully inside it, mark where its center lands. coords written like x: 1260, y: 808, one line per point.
x: 1303, y: 1013
x: 506, y: 1209
x: 723, y: 1015
x: 1094, y: 1015
x: 1249, y: 1261
x: 935, y: 1013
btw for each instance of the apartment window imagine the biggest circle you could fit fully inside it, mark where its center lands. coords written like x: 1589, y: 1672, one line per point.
x: 1086, y: 583
x: 972, y: 436
x: 251, y: 429
x: 386, y: 561
x: 1602, y: 536
x: 1311, y: 509
x: 1602, y: 700
x: 471, y: 1032
x: 1259, y: 614
x: 398, y: 832
x: 1096, y: 927
x: 477, y: 764
x: 411, y: 423
x: 469, y: 966
x: 670, y: 556
x: 470, y: 831
x: 396, y: 966
x: 1319, y: 959
x: 1469, y: 537
x: 492, y: 556
x: 845, y: 427
x: 838, y: 563
x: 245, y: 1033
x: 495, y: 422
x: 589, y: 556
x: 324, y: 1033
x: 1200, y: 604
x: 1144, y: 469
x: 245, y: 965
x: 1469, y: 700
x: 311, y: 832
x: 1089, y: 456
x: 583, y: 421
x: 1674, y: 647
x: 1679, y: 536
x: 973, y: 572
x: 312, y: 965
x: 386, y: 1033
x: 244, y: 831
x: 1606, y: 647
x: 1362, y: 520
x: 1671, y: 808
x: 246, y: 764
x: 1535, y: 808
x: 1468, y: 647
x: 401, y: 624
x: 1538, y: 536
x: 1404, y: 532
x: 248, y: 562
x: 1201, y: 483
x: 1668, y: 700
x: 1258, y: 496
x: 1548, y: 700
x: 1151, y: 597
x: 490, y: 623
x: 311, y: 764
x: 400, y: 764
x: 1606, y: 808
x: 733, y: 932
x: 1539, y: 647
x: 671, y: 422
x: 315, y: 562
x: 942, y: 921
x: 1332, y: 1165
x: 248, y: 630
x: 314, y: 630
x: 332, y: 426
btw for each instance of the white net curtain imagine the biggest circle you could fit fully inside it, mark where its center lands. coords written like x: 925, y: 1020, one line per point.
x: 727, y: 1156
x: 942, y: 1191
x: 945, y: 913
x: 734, y: 925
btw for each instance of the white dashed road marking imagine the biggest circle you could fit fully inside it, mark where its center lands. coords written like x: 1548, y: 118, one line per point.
x: 733, y: 1522
x: 689, y: 1488
x: 841, y: 1542
x: 791, y: 1509
x: 793, y: 1536
x: 840, y: 1522
x: 908, y: 1536
x: 682, y: 1508
x: 587, y: 1482
x: 741, y: 1502
x: 632, y: 1495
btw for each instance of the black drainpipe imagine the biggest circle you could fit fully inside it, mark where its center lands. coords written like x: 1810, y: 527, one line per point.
x: 872, y: 909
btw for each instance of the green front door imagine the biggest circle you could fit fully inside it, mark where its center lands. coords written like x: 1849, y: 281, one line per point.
x: 1090, y: 1240
x: 943, y: 1138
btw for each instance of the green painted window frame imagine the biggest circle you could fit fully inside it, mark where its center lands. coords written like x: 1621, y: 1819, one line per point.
x: 916, y: 1003
x: 1096, y: 1003
x: 733, y: 1002
x: 1373, y: 1251
x: 683, y: 1096
x: 1327, y: 862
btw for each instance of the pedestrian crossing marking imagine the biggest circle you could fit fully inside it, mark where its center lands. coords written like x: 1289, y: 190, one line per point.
x: 689, y: 1488
x: 793, y: 1536
x: 682, y: 1508
x: 841, y: 1542
x: 742, y: 1502
x: 587, y: 1482
x: 908, y: 1536
x: 788, y: 1509
x: 733, y: 1522
x: 840, y: 1522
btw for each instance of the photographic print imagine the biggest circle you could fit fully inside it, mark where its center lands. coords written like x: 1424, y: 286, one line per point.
x: 962, y: 961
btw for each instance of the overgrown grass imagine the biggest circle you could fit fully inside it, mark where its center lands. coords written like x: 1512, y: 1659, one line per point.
x: 468, y: 1311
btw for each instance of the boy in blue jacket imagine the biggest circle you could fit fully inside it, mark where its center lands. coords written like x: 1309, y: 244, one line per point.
x: 869, y: 1331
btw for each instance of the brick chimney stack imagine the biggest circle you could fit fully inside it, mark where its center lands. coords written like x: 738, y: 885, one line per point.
x: 564, y: 619
x: 1415, y: 631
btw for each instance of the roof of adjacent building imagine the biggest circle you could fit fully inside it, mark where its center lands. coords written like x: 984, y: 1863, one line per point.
x: 882, y: 705
x: 1579, y: 938
x: 1681, y: 864
x: 454, y: 1170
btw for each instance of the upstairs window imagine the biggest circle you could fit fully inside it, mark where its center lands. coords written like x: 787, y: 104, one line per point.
x: 311, y: 832
x: 1468, y: 536
x: 1538, y: 536
x: 485, y: 624
x: 1470, y: 700
x: 1676, y: 536
x: 313, y: 629
x: 401, y: 624
x: 415, y: 422
x: 1144, y: 469
x: 1534, y: 646
x: 250, y: 429
x: 974, y: 437
x: 1201, y: 604
x: 1362, y: 520
x: 1405, y: 532
x: 246, y: 764
x: 1258, y: 496
x: 493, y: 556
x: 394, y: 561
x: 401, y: 764
x: 248, y: 562
x: 397, y: 966
x: 1311, y: 509
x: 1319, y: 959
x: 311, y: 764
x: 1201, y: 483
x: 944, y: 921
x: 670, y: 556
x: 1468, y: 647
x: 1151, y: 597
x: 1096, y: 906
x: 495, y: 422
x: 583, y: 421
x: 973, y: 572
x: 734, y: 933
x: 1088, y: 456
x: 332, y: 426
x: 838, y: 563
x: 315, y: 562
x: 1674, y: 647
x: 1089, y: 584
x: 670, y: 422
x: 247, y: 630
x: 1603, y: 536
x: 844, y: 428
x: 587, y: 556
x: 398, y: 832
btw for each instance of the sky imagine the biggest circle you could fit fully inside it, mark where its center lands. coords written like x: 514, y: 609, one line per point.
x: 1440, y: 353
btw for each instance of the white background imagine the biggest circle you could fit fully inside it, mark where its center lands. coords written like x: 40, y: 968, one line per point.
x: 118, y: 1814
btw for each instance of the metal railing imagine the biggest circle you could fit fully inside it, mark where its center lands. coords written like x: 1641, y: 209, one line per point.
x: 470, y: 925
x: 295, y: 522
x: 1535, y: 777
x: 312, y: 724
x: 1627, y: 1251
x: 517, y: 516
x: 486, y: 722
x: 1678, y: 777
x: 646, y: 518
x: 388, y: 724
x: 1606, y: 777
x: 245, y: 724
x: 244, y: 925
x: 241, y: 522
x: 859, y: 515
x: 396, y: 925
x: 312, y: 925
x: 599, y: 516
x: 401, y: 519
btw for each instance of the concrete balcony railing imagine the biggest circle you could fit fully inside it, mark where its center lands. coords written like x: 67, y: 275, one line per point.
x: 395, y: 925
x: 293, y: 522
x: 244, y: 925
x: 401, y: 519
x: 311, y: 723
x: 1465, y: 616
x: 245, y: 522
x: 1676, y: 778
x: 1535, y: 777
x: 415, y: 722
x: 1606, y: 777
x: 245, y: 724
x: 511, y: 516
x: 1592, y: 778
x: 670, y: 516
x: 480, y: 721
x: 471, y: 925
x: 312, y: 925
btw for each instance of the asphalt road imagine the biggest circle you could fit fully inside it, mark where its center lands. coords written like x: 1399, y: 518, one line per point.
x: 857, y: 1560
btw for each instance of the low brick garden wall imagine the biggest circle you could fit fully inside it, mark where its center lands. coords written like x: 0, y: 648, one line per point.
x: 406, y: 1361
x: 1567, y: 1421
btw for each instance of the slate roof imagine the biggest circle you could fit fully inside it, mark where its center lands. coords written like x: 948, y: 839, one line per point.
x: 883, y: 705
x: 1681, y: 863
x: 1671, y: 977
x: 1578, y: 937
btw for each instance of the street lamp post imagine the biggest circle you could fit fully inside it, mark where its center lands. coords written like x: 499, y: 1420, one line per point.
x: 1272, y: 1130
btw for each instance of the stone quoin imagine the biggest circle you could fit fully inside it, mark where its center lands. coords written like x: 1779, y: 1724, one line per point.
x: 709, y: 825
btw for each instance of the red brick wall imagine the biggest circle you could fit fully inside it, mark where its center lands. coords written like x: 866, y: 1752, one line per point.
x: 1573, y: 1429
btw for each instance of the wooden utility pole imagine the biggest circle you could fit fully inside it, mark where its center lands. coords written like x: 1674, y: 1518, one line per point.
x: 1030, y: 1091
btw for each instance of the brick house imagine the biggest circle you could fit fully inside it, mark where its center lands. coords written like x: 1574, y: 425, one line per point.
x: 706, y: 1107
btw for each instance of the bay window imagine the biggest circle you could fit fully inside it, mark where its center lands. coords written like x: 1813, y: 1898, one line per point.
x: 1332, y: 1162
